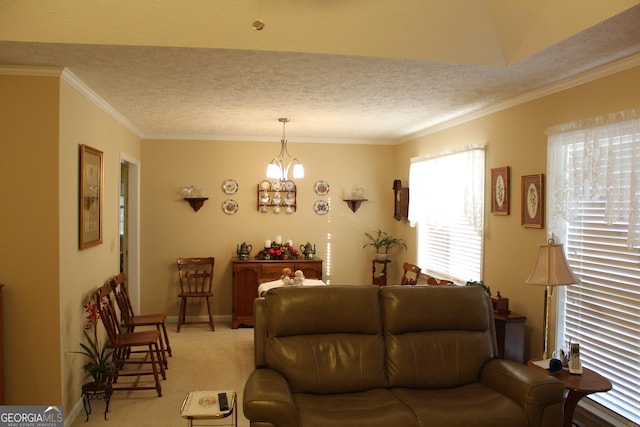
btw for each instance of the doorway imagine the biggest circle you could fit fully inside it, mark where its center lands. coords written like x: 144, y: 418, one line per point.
x: 129, y: 226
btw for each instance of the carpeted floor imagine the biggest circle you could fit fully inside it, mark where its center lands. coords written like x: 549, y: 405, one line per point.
x: 202, y: 360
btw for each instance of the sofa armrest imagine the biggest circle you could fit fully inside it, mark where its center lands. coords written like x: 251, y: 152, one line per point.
x: 540, y: 395
x: 267, y: 398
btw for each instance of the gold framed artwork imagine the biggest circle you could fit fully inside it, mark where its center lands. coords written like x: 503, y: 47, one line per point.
x: 500, y: 191
x: 91, y: 189
x: 532, y: 209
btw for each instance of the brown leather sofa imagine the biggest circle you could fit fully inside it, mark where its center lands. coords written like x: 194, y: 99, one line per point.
x: 392, y: 356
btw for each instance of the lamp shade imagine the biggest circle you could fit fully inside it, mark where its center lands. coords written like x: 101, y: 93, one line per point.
x: 274, y: 171
x: 552, y: 268
x: 298, y: 170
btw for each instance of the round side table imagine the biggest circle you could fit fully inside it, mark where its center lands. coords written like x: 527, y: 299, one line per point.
x: 92, y: 391
x: 578, y: 386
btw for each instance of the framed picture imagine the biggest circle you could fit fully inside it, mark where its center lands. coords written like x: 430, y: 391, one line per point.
x: 532, y: 200
x: 91, y: 188
x: 500, y: 191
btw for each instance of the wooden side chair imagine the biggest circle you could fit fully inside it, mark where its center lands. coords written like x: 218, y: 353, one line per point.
x: 196, y: 281
x: 132, y: 320
x: 123, y: 343
x: 410, y: 274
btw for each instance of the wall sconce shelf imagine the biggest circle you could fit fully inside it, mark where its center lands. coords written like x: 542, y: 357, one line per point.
x: 196, y: 202
x: 354, y: 204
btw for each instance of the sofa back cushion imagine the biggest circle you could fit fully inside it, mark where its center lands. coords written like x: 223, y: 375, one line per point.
x: 436, y: 336
x: 326, y: 339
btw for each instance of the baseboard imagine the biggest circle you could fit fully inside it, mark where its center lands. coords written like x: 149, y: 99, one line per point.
x: 592, y: 414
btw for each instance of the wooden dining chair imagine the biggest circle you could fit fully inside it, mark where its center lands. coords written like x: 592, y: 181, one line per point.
x: 131, y: 320
x: 123, y: 343
x: 196, y: 281
x: 410, y: 274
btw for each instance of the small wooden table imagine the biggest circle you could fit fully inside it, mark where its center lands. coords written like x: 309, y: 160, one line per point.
x: 578, y: 386
x: 379, y: 271
x: 510, y: 332
x: 204, y: 405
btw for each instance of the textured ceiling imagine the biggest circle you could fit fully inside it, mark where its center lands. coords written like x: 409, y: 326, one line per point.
x: 177, y: 88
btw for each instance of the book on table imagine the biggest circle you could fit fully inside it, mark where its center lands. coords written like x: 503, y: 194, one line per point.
x: 205, y: 404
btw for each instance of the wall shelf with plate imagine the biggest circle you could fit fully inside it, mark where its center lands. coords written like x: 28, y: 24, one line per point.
x: 196, y: 202
x: 354, y: 204
x: 278, y: 195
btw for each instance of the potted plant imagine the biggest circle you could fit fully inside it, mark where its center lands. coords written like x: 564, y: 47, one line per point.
x: 99, y: 364
x: 486, y: 288
x: 382, y: 241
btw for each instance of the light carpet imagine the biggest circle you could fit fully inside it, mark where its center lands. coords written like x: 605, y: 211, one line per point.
x: 202, y: 360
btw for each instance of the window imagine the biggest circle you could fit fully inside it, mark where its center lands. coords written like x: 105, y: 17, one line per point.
x: 447, y: 205
x: 593, y: 195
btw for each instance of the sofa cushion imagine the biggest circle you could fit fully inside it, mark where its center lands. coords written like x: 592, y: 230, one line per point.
x: 373, y: 408
x: 445, y: 341
x: 326, y: 339
x: 469, y: 405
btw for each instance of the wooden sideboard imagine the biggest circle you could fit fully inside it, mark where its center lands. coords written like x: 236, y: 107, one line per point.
x: 249, y: 274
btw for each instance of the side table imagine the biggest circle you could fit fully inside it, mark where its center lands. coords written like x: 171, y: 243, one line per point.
x: 379, y: 271
x: 510, y: 331
x: 204, y: 405
x: 578, y: 386
x: 93, y: 390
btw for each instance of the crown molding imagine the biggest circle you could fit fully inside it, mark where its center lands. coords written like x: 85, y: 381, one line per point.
x: 33, y: 71
x: 586, y: 77
x: 75, y: 82
x: 79, y: 85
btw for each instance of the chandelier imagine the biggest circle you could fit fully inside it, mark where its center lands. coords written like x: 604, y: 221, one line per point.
x: 279, y: 167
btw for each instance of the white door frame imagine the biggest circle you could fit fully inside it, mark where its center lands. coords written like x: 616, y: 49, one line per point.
x: 133, y: 276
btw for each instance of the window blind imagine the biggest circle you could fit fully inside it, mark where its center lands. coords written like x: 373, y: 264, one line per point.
x: 602, y: 312
x: 447, y: 204
x: 593, y: 195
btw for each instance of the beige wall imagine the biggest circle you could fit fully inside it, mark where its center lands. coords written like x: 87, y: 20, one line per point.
x: 46, y: 277
x: 516, y: 138
x: 29, y: 250
x: 82, y: 122
x: 171, y: 229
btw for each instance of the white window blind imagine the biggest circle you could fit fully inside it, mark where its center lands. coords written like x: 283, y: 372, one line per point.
x: 447, y: 205
x: 594, y: 189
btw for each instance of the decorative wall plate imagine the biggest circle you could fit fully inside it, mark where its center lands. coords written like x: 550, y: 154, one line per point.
x: 289, y: 185
x: 265, y: 185
x: 290, y: 199
x: 321, y: 187
x: 321, y: 207
x: 265, y: 198
x: 276, y: 185
x: 230, y: 186
x: 230, y: 206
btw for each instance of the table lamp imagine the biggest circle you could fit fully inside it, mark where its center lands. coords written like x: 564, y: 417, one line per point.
x: 551, y: 270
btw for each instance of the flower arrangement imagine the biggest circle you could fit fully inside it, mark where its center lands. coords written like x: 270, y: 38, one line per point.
x: 277, y: 251
x: 99, y: 364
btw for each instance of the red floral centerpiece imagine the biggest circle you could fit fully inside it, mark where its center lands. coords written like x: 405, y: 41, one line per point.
x: 277, y: 251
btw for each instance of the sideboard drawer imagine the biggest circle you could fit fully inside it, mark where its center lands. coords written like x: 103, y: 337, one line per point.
x: 274, y: 272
